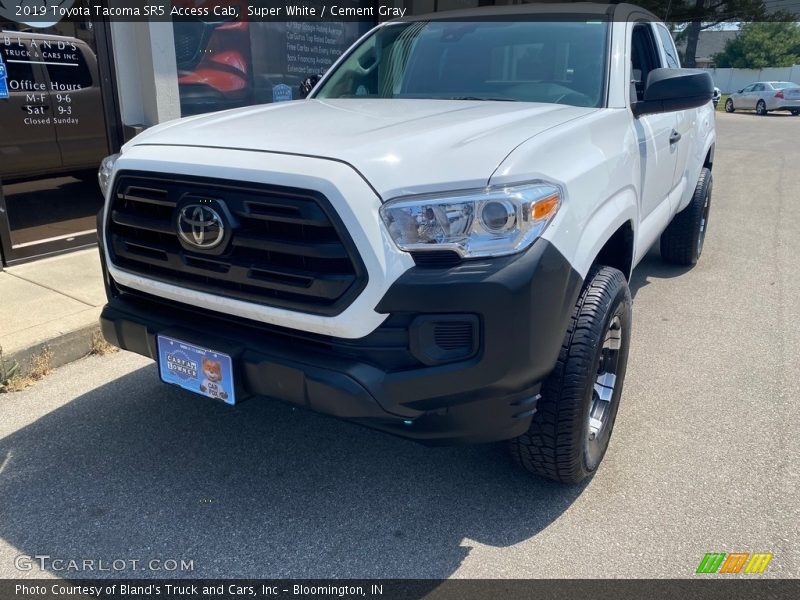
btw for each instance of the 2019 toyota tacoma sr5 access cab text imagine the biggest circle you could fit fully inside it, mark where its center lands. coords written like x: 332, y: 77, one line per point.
x: 436, y: 242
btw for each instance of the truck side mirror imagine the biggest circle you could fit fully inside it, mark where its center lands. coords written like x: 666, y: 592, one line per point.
x: 308, y: 84
x: 669, y: 90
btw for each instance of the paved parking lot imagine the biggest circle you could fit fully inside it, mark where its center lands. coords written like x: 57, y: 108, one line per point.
x: 100, y: 461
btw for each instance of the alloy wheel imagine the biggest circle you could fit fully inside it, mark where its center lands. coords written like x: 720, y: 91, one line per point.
x: 603, y: 393
x: 701, y: 239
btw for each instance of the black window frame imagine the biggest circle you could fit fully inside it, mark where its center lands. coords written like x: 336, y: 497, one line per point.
x: 651, y: 53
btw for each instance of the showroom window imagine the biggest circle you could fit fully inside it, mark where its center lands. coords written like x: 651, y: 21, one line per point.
x: 229, y: 64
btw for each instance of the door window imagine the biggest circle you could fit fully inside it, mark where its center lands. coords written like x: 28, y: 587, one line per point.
x: 644, y: 59
x: 669, y: 48
x: 71, y: 73
x: 19, y: 69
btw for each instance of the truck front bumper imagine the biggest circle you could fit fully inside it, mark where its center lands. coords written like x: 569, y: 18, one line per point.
x: 402, y: 378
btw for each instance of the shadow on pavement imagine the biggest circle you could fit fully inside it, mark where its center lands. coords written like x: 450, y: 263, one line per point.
x: 139, y: 470
x: 652, y: 266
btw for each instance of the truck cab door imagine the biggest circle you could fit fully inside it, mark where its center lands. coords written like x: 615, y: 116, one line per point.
x: 686, y: 128
x: 654, y: 133
x: 77, y: 103
x: 28, y: 144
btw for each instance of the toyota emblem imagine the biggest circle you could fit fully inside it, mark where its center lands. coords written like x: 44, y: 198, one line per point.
x: 200, y: 226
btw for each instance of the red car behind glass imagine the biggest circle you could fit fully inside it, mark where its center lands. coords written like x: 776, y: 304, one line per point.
x: 214, y: 69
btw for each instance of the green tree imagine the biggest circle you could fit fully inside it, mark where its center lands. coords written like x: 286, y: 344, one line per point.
x: 699, y: 15
x: 761, y: 45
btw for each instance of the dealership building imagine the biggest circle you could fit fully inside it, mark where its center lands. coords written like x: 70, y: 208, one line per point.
x: 73, y: 90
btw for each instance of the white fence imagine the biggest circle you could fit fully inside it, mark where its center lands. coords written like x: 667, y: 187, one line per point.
x: 731, y: 80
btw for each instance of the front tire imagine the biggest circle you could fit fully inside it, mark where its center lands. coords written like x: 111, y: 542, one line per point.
x: 572, y: 425
x: 682, y: 241
x: 729, y: 107
x: 761, y: 108
x: 795, y: 113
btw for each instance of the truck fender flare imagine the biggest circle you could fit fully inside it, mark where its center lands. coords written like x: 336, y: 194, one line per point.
x: 596, y: 230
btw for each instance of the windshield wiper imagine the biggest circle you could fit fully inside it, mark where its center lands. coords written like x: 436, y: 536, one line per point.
x: 483, y: 99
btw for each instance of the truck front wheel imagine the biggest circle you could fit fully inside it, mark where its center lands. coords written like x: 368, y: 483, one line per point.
x: 570, y: 431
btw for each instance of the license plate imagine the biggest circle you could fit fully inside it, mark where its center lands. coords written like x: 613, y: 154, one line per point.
x: 199, y: 370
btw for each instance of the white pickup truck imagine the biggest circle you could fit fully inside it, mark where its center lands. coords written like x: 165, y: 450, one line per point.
x: 436, y: 242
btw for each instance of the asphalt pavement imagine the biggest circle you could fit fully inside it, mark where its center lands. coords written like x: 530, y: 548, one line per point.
x: 102, y: 462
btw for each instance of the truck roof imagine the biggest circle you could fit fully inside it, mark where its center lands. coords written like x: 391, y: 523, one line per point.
x: 566, y: 11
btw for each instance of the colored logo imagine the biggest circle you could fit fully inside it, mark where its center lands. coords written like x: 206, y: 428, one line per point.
x: 181, y: 365
x: 281, y: 93
x: 734, y: 562
x: 200, y: 226
x: 3, y: 80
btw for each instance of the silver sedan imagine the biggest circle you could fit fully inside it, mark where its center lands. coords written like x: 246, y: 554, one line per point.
x: 765, y: 96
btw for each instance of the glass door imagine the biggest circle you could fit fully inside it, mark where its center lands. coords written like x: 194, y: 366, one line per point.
x: 55, y: 133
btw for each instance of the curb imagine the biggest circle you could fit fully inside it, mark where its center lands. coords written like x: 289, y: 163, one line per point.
x: 64, y: 348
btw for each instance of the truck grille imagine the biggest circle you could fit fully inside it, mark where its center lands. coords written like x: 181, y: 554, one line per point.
x: 288, y: 247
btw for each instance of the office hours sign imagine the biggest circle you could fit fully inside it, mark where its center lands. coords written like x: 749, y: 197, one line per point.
x: 43, y: 73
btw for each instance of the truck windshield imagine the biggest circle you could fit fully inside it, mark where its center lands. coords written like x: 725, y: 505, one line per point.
x: 526, y: 61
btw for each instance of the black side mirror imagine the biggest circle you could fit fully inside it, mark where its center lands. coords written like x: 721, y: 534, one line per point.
x: 740, y: 91
x: 308, y: 84
x: 669, y: 90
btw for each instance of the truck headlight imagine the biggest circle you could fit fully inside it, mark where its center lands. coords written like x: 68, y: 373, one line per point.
x: 493, y: 221
x: 104, y: 173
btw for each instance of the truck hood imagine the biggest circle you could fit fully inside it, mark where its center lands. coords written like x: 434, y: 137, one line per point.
x: 399, y: 146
